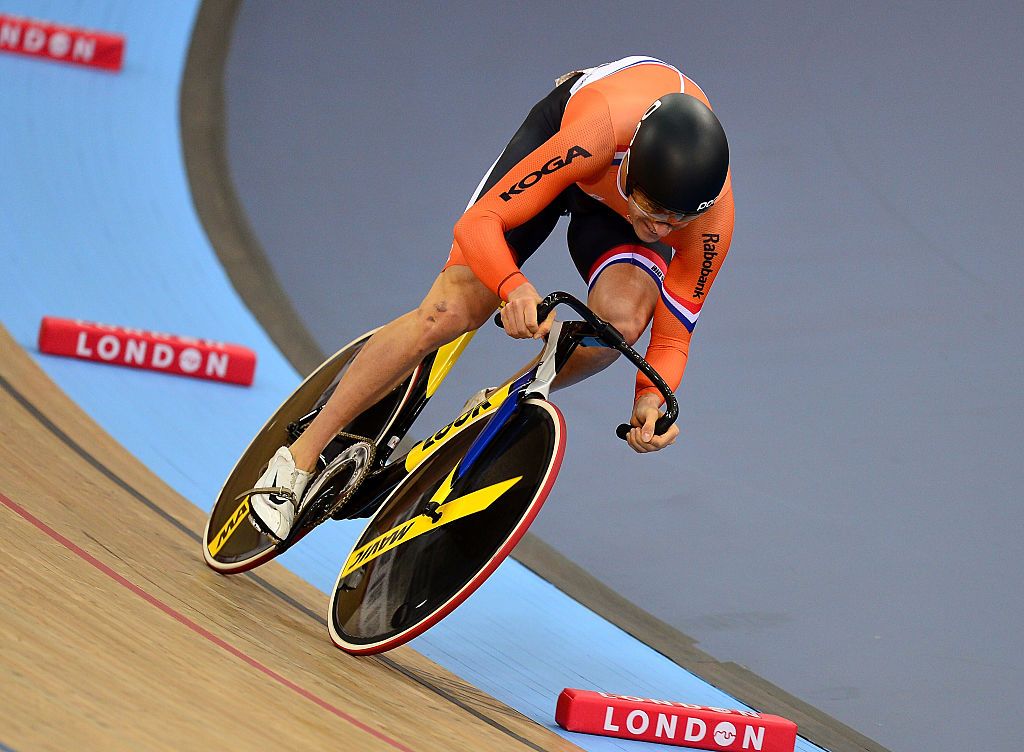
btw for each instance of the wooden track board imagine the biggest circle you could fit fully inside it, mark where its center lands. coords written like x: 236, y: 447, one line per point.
x: 115, y: 635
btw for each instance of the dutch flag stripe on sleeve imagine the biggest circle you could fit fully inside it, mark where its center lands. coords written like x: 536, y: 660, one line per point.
x: 684, y: 310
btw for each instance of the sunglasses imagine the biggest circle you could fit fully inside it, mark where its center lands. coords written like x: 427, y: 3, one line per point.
x: 658, y: 213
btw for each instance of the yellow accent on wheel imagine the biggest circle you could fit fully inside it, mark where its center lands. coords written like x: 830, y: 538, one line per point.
x: 456, y: 509
x: 236, y: 519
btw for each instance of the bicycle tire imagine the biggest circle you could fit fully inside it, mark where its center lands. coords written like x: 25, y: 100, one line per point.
x: 231, y: 545
x: 400, y: 592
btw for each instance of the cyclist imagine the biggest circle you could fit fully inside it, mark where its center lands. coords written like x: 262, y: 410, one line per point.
x: 632, y: 153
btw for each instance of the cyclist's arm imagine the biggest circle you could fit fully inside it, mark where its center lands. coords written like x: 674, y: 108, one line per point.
x: 577, y: 152
x: 701, y: 247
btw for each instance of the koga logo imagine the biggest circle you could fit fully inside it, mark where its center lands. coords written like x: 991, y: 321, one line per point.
x: 552, y: 165
x: 706, y: 267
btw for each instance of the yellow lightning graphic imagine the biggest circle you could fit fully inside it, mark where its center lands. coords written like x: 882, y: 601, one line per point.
x: 456, y: 509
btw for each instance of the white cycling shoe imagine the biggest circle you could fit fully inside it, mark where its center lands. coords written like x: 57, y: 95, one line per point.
x: 275, y: 500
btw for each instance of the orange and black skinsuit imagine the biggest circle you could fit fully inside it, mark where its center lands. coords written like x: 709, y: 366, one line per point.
x: 565, y: 159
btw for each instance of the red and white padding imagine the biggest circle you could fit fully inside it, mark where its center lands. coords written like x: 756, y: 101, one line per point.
x: 184, y: 356
x: 679, y: 723
x: 67, y: 44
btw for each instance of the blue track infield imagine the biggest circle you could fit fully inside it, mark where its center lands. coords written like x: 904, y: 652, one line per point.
x: 96, y: 222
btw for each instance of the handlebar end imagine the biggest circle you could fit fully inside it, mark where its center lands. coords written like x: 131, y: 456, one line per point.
x: 660, y: 426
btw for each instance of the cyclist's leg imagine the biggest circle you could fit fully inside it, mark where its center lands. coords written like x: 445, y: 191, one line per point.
x: 619, y: 270
x: 456, y: 303
x: 625, y: 296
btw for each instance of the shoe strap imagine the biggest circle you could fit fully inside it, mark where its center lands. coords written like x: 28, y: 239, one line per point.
x: 288, y: 493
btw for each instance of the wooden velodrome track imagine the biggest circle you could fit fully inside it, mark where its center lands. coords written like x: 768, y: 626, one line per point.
x: 115, y: 635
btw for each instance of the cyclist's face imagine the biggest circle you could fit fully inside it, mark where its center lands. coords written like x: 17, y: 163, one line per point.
x: 650, y: 222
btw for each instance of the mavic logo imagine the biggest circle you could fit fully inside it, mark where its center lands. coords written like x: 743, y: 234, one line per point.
x: 229, y: 528
x: 451, y: 511
x: 382, y: 544
x: 553, y: 165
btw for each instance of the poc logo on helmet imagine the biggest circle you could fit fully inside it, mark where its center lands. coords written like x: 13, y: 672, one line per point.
x: 705, y: 205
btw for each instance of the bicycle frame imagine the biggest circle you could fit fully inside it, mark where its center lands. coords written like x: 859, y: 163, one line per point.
x: 562, y: 341
x: 381, y: 428
x: 502, y: 404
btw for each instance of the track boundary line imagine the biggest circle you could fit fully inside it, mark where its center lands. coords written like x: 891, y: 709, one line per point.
x: 84, y: 454
x: 197, y: 628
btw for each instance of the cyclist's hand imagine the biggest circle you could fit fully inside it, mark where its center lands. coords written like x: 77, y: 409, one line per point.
x: 519, y: 315
x: 645, y: 412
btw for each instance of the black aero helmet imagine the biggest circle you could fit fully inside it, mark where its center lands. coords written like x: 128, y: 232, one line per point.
x: 679, y: 155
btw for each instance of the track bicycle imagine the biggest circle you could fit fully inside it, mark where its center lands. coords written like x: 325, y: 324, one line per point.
x: 445, y: 514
